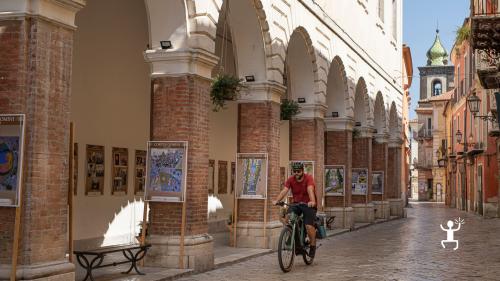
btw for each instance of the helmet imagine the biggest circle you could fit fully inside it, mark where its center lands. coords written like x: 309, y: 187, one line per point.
x: 297, y: 166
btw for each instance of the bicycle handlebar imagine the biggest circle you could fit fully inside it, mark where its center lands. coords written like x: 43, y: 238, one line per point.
x: 290, y: 204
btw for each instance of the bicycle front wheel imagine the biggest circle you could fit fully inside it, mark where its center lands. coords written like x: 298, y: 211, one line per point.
x: 286, y: 249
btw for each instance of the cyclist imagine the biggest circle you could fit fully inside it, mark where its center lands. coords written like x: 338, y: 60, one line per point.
x: 303, y: 191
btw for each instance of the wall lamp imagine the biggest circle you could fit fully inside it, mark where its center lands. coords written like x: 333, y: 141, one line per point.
x: 301, y: 100
x: 166, y: 45
x: 250, y: 78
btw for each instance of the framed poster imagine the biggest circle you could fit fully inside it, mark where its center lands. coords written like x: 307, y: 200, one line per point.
x: 140, y: 172
x: 334, y: 180
x: 166, y: 168
x: 251, y: 175
x: 119, y: 184
x: 308, y: 167
x: 94, y: 184
x: 359, y: 181
x: 378, y: 182
x: 11, y: 158
x: 75, y: 168
x: 222, y: 182
x: 211, y: 176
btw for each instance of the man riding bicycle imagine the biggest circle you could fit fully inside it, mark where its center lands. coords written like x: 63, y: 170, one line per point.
x: 303, y: 191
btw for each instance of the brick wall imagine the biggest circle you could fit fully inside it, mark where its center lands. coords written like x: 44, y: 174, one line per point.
x: 380, y: 163
x: 362, y: 158
x: 338, y: 151
x: 307, y: 143
x: 394, y: 172
x: 258, y: 132
x: 179, y: 112
x: 35, y: 67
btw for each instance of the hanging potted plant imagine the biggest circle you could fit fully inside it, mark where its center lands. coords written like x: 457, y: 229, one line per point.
x: 224, y: 87
x: 289, y: 108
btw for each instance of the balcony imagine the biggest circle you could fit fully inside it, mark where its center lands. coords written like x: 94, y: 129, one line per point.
x: 476, y: 148
x: 493, y: 129
x: 424, y: 165
x: 485, y: 24
x: 488, y: 65
x: 424, y: 133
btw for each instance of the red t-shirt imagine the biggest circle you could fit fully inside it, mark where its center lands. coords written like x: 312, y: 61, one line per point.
x: 299, y: 189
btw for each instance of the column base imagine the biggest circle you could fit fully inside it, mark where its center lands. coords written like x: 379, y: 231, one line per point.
x: 165, y: 251
x: 344, y: 217
x: 52, y: 271
x: 251, y: 234
x: 382, y: 209
x: 490, y: 210
x: 364, y: 213
x: 396, y: 206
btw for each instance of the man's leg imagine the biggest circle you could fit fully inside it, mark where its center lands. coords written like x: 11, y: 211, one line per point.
x: 309, y: 217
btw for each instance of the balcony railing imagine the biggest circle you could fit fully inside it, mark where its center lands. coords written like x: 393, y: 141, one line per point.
x: 424, y: 133
x: 487, y: 65
x: 485, y: 7
x: 485, y: 28
x: 493, y: 129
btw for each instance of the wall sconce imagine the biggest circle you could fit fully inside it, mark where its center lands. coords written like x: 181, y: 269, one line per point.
x: 166, y: 45
x: 335, y: 114
x: 250, y: 78
x: 459, y: 136
x: 357, y: 124
x: 441, y: 162
x: 301, y: 100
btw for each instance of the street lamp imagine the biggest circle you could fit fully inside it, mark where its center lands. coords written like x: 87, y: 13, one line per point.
x: 474, y: 101
x: 441, y: 162
x: 459, y: 136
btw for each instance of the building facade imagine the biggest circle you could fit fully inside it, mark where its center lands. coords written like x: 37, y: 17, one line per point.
x: 143, y: 72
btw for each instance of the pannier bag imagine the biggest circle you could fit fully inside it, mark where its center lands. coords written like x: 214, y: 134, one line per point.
x: 320, y: 226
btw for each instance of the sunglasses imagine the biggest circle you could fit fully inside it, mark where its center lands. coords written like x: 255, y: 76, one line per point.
x: 297, y: 171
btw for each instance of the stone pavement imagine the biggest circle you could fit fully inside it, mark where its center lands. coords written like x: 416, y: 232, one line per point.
x: 405, y: 249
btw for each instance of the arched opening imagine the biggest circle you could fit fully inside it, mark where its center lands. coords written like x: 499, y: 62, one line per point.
x: 110, y: 107
x: 300, y: 67
x: 336, y: 90
x: 393, y: 122
x: 437, y: 87
x: 361, y: 103
x: 379, y: 114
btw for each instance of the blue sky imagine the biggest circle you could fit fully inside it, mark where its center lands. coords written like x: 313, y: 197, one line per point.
x: 420, y: 18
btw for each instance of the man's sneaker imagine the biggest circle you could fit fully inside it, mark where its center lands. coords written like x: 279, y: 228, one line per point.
x: 312, y: 251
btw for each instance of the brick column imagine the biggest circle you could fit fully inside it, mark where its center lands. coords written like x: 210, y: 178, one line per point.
x: 179, y: 112
x: 338, y: 151
x: 307, y: 143
x: 394, y: 178
x: 259, y: 132
x: 35, y: 75
x: 380, y: 164
x: 362, y: 158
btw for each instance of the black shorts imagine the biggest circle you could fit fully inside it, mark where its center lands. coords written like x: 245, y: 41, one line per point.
x: 309, y: 213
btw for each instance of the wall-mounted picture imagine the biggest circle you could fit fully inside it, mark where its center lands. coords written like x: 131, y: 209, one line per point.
x: 359, y: 181
x: 75, y: 168
x: 378, y: 182
x: 119, y: 171
x: 166, y: 171
x: 308, y: 167
x: 140, y: 172
x: 94, y: 183
x: 11, y: 151
x: 233, y: 175
x: 222, y: 182
x: 211, y: 176
x: 251, y: 175
x: 334, y: 180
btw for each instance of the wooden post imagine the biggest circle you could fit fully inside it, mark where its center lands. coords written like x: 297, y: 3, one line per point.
x: 235, y: 219
x: 70, y: 190
x: 144, y: 227
x: 266, y: 241
x: 181, y: 242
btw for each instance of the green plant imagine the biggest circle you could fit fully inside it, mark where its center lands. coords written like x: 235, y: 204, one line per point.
x: 224, y: 87
x: 289, y: 108
x: 462, y: 34
x: 356, y: 133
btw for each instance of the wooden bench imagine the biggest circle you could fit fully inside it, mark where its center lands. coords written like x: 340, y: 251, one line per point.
x: 97, y: 257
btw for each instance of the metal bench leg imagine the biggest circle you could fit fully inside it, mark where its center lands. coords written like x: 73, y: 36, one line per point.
x: 84, y: 262
x: 134, y: 259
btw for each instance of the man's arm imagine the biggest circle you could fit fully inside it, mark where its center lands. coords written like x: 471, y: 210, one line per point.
x: 281, y: 195
x: 312, y: 196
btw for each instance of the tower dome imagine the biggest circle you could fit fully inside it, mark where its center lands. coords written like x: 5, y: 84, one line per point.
x: 437, y: 54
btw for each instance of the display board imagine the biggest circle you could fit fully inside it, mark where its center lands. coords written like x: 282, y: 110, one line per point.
x: 334, y: 180
x: 11, y: 151
x: 119, y: 171
x: 166, y: 171
x: 359, y: 181
x: 378, y: 182
x: 140, y: 172
x: 251, y: 175
x: 94, y: 184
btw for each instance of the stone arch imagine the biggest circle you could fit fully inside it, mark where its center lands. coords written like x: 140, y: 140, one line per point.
x: 394, y: 125
x: 379, y: 119
x: 337, y: 97
x: 362, y: 109
x: 302, y: 69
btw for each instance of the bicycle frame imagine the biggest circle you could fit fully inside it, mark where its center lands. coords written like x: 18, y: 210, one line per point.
x: 293, y: 222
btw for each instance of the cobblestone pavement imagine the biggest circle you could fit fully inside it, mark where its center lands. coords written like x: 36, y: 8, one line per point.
x: 404, y: 249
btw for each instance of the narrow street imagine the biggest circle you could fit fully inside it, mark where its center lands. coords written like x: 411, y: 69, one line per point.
x: 405, y: 249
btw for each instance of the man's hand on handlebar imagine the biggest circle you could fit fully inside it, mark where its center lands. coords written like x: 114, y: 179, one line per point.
x: 311, y: 204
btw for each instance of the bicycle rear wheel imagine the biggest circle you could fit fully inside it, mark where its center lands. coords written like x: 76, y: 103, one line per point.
x: 286, y: 249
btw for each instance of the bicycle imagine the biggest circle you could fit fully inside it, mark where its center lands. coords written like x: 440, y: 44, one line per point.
x: 293, y: 240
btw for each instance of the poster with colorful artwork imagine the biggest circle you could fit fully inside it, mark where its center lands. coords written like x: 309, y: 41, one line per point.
x: 378, y: 182
x: 119, y: 181
x: 359, y: 181
x: 140, y: 172
x: 94, y: 184
x: 166, y: 171
x: 11, y: 151
x: 251, y: 175
x: 334, y: 180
